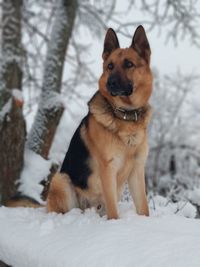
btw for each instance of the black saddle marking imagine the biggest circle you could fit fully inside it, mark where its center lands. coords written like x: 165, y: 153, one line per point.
x: 75, y: 163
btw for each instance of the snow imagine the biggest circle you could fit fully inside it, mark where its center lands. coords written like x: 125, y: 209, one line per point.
x: 17, y: 94
x: 32, y: 237
x: 35, y: 170
x: 6, y: 109
x: 65, y: 130
x: 170, y: 237
x: 50, y: 99
x: 162, y: 206
x: 194, y: 196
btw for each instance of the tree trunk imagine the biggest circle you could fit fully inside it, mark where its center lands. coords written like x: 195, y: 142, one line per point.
x: 3, y: 264
x: 12, y: 124
x: 50, y: 107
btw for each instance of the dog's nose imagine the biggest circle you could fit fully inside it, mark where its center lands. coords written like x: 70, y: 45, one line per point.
x: 117, y: 87
x: 112, y: 83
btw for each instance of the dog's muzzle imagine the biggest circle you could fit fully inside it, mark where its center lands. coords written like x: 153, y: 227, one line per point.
x: 118, y: 88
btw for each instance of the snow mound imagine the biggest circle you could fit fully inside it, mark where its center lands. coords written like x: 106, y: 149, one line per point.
x: 5, y: 109
x: 194, y: 196
x: 33, y: 238
x: 17, y: 94
x: 35, y: 170
x: 161, y: 206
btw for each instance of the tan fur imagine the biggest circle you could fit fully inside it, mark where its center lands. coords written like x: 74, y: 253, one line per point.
x: 21, y: 203
x: 118, y: 148
x: 61, y: 196
x: 119, y: 152
x: 139, y: 97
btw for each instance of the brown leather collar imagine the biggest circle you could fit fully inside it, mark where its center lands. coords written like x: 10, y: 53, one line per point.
x: 134, y: 115
x: 129, y: 115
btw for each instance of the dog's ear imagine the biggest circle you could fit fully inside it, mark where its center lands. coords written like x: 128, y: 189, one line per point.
x: 140, y: 43
x: 110, y: 43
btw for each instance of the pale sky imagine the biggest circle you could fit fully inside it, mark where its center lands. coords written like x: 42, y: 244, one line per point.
x: 166, y: 57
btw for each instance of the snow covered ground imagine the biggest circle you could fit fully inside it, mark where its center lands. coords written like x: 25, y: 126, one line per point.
x: 170, y: 237
x: 31, y: 237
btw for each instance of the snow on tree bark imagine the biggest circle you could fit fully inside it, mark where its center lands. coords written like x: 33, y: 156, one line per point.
x: 12, y: 124
x: 50, y: 106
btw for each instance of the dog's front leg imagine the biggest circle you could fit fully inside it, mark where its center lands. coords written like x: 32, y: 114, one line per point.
x: 109, y: 186
x: 136, y: 183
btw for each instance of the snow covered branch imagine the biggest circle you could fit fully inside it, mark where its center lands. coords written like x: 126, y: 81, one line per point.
x: 50, y: 106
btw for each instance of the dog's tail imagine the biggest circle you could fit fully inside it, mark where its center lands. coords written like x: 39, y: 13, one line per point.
x: 20, y: 200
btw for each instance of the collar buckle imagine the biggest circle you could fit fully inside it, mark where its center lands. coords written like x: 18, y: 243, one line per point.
x: 136, y: 116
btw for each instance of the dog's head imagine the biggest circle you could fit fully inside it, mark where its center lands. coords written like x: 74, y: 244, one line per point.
x: 126, y: 80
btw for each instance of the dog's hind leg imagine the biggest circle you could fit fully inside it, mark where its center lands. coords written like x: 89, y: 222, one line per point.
x: 61, y: 196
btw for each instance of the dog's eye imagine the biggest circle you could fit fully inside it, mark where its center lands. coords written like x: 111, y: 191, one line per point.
x: 128, y: 64
x: 110, y: 66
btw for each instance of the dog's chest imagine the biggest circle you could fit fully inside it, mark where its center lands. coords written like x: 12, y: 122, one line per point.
x: 131, y: 138
x: 119, y: 155
x: 118, y: 161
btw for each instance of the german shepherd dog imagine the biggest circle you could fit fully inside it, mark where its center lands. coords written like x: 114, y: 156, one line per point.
x: 110, y: 145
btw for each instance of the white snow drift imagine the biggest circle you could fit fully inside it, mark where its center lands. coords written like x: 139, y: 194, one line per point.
x: 33, y: 238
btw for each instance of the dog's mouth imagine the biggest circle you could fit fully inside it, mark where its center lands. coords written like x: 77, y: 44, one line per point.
x: 120, y: 93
